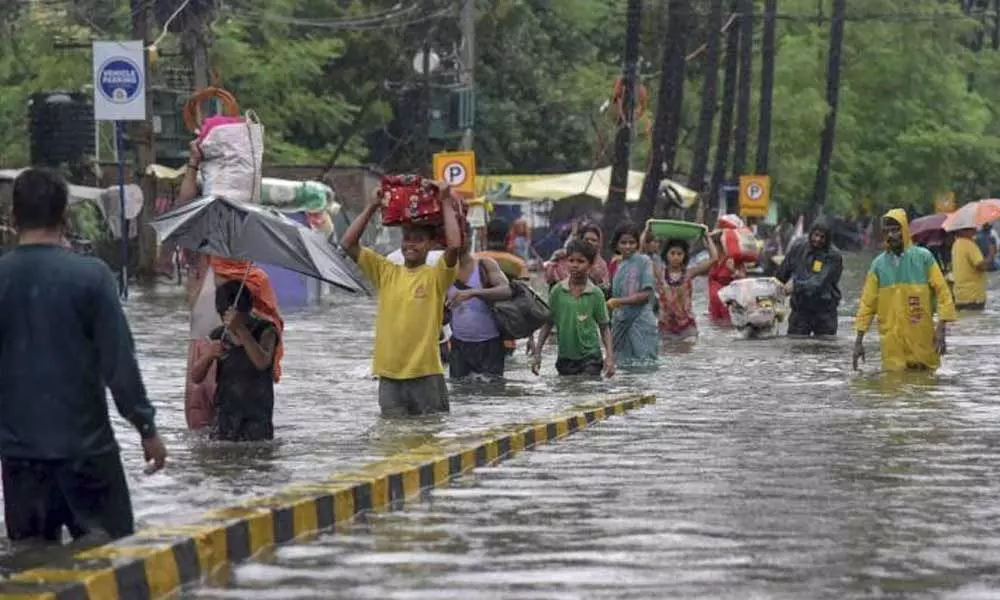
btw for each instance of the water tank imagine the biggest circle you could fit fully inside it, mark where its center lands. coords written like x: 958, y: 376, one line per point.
x: 62, y: 128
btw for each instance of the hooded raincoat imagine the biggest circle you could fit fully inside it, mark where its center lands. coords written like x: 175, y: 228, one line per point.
x: 904, y: 291
x: 815, y: 273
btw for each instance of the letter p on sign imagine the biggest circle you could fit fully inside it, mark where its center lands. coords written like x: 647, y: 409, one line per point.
x: 458, y: 170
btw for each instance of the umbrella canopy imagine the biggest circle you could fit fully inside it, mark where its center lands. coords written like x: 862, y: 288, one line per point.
x: 973, y: 215
x: 928, y: 229
x: 252, y: 232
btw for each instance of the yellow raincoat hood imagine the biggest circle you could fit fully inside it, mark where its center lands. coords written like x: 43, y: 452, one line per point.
x: 899, y: 215
x: 904, y: 291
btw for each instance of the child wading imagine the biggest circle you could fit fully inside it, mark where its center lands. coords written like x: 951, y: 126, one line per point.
x: 580, y: 316
x: 676, y: 317
x: 243, y: 351
x: 633, y: 324
x: 411, y: 299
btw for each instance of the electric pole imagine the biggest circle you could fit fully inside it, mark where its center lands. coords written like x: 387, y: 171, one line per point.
x: 742, y: 135
x: 468, y: 24
x: 728, y: 102
x: 144, y: 139
x: 614, y: 210
x: 832, y: 100
x: 766, y: 87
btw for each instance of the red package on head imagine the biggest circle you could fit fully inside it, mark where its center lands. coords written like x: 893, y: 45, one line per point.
x: 409, y: 199
x: 730, y: 222
x: 740, y: 245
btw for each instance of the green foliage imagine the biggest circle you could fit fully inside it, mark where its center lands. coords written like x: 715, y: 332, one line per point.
x: 911, y: 123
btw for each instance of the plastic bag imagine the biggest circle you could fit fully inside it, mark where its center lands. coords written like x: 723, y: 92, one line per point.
x: 232, y: 159
x: 756, y: 303
x: 740, y: 245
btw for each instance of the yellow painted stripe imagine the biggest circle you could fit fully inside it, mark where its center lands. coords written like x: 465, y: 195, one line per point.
x: 492, y: 451
x: 304, y: 519
x: 562, y: 428
x: 99, y: 584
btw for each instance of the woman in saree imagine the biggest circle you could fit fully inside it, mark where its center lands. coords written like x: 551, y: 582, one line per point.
x: 633, y: 292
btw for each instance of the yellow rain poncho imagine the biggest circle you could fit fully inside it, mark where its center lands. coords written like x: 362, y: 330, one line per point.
x: 903, y: 291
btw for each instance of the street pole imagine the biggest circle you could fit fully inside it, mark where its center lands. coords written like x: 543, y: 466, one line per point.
x: 832, y: 100
x: 144, y: 138
x: 614, y: 210
x: 468, y: 24
x: 766, y: 88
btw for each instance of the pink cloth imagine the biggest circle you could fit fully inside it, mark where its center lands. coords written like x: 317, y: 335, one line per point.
x: 199, y: 399
x: 212, y: 122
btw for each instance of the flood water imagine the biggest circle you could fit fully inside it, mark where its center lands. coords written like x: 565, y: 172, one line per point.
x: 766, y: 469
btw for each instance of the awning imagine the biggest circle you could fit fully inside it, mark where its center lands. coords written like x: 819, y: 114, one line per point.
x: 594, y: 183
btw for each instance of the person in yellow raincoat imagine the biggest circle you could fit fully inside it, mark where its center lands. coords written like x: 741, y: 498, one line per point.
x: 903, y: 288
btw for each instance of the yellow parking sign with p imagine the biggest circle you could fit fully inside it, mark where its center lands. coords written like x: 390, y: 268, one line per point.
x: 457, y: 169
x: 755, y: 195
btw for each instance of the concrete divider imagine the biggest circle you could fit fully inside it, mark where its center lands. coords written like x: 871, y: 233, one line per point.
x: 156, y: 562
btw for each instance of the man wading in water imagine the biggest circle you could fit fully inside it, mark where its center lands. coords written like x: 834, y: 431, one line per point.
x: 902, y: 288
x: 63, y: 338
x: 411, y: 299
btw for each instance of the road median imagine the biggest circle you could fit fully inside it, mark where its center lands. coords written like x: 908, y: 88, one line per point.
x: 155, y: 562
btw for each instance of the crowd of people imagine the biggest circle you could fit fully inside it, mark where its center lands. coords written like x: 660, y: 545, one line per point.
x: 64, y: 337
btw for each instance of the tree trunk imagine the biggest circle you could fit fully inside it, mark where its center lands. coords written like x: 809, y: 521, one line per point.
x: 832, y: 99
x: 709, y: 95
x: 741, y: 140
x: 666, y: 129
x: 614, y: 210
x: 766, y: 88
x: 728, y: 104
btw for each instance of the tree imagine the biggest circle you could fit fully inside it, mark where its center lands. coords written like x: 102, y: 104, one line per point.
x: 709, y: 93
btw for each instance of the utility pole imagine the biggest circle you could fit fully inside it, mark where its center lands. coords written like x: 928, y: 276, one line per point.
x: 468, y: 24
x: 833, y: 100
x: 766, y: 87
x: 742, y: 136
x: 144, y: 139
x: 614, y: 210
x: 709, y: 97
x: 728, y: 102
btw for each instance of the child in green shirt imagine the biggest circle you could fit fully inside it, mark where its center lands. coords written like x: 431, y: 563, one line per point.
x: 580, y: 316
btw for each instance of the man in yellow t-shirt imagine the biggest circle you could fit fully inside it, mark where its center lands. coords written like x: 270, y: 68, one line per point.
x: 411, y: 299
x: 968, y: 270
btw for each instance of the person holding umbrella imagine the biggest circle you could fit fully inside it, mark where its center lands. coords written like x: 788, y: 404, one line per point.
x: 968, y: 264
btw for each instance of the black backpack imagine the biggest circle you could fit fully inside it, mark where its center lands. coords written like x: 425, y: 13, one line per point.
x: 520, y: 315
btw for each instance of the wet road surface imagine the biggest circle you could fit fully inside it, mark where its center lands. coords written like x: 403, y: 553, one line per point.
x: 765, y: 470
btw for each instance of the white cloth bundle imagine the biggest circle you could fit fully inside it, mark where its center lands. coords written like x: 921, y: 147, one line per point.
x: 232, y: 159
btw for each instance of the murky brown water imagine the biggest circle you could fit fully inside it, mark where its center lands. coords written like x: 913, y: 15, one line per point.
x: 765, y: 470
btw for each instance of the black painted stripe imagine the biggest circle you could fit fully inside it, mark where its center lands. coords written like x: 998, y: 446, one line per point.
x: 324, y: 511
x: 283, y: 524
x: 571, y: 424
x: 551, y: 432
x: 131, y: 579
x: 455, y: 465
x: 74, y: 591
x: 529, y: 438
x: 427, y: 476
x: 238, y: 541
x: 186, y: 557
x: 503, y: 447
x: 397, y: 495
x: 362, y: 497
x: 481, y: 456
x: 590, y: 416
x: 629, y: 404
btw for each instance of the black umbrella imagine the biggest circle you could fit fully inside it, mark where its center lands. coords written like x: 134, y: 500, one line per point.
x: 252, y: 232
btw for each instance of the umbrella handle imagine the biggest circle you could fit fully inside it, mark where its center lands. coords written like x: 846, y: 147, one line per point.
x: 243, y: 284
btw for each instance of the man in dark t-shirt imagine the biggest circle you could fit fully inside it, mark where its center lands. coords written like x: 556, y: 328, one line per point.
x: 63, y: 339
x: 244, y: 351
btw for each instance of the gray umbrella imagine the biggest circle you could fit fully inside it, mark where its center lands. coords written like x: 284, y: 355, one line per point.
x: 252, y: 232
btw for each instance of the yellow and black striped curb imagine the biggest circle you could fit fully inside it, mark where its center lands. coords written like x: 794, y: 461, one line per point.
x: 156, y: 562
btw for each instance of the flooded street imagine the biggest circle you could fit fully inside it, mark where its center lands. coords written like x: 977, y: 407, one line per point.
x: 766, y: 469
